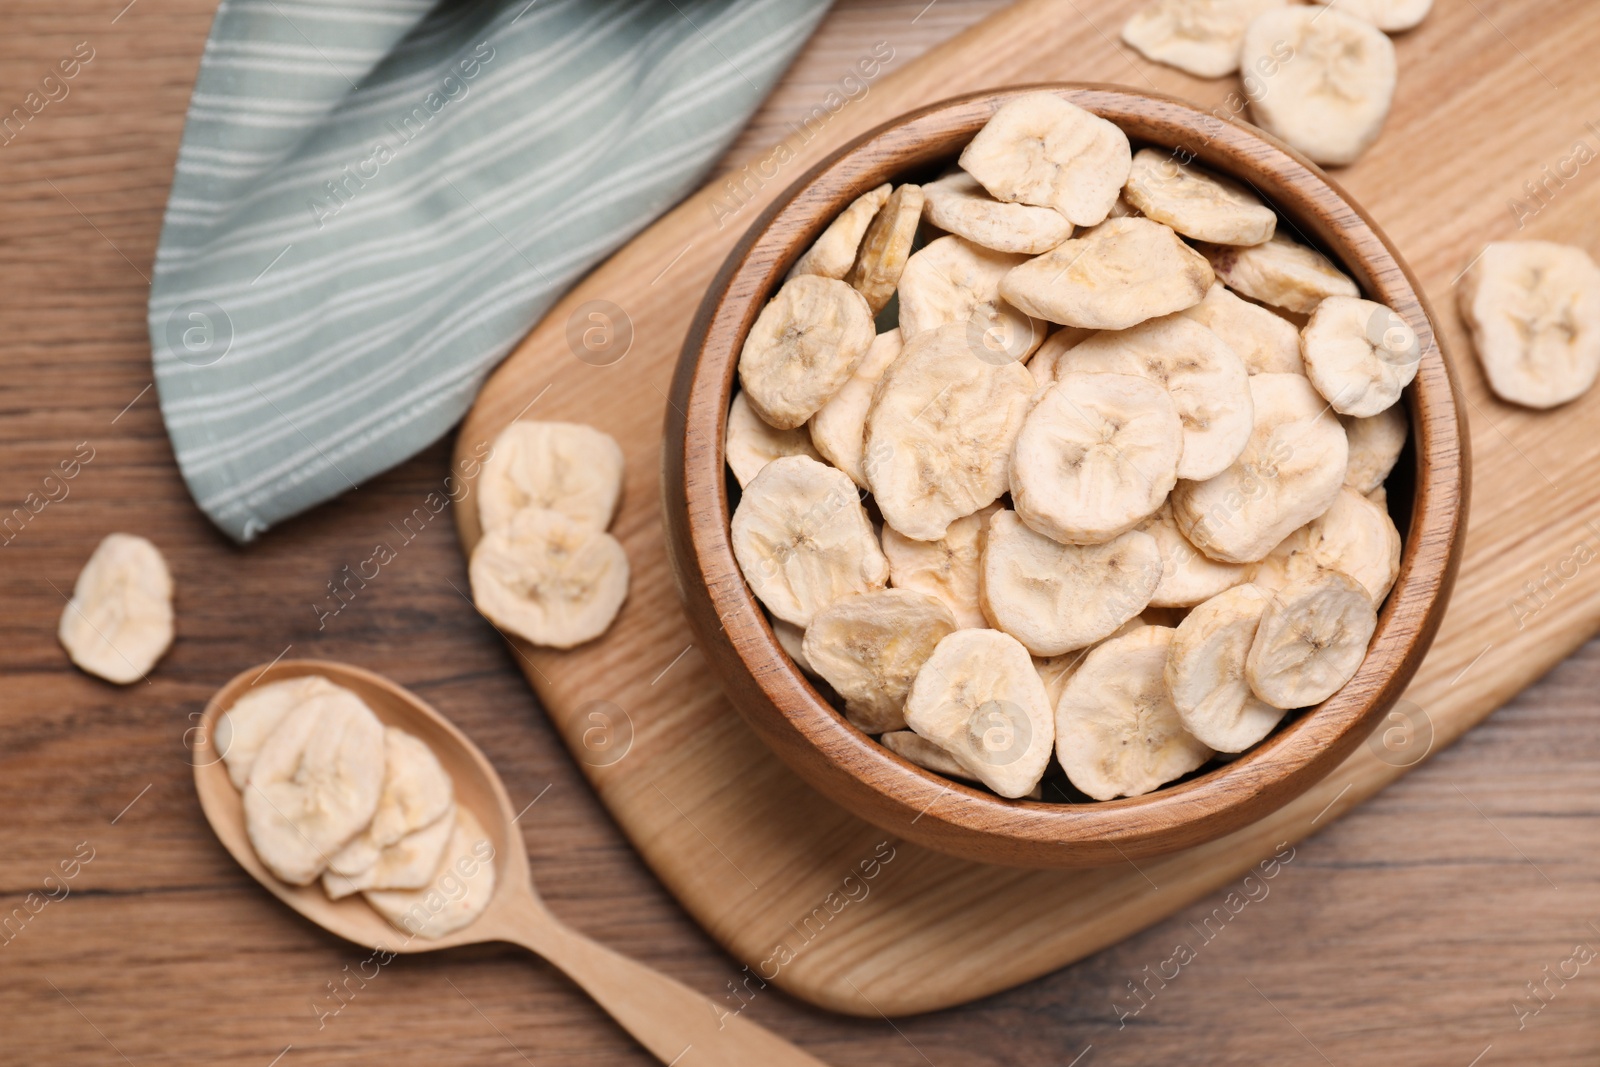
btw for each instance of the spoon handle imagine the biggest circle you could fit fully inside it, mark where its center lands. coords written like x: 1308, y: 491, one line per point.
x: 677, y: 1025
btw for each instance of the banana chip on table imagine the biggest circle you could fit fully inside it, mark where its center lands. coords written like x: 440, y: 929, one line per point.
x: 1282, y: 272
x: 834, y: 252
x: 1196, y: 203
x: 1534, y: 311
x: 870, y: 646
x: 1391, y: 16
x: 1268, y: 343
x: 960, y: 205
x: 804, y: 346
x: 1202, y: 37
x: 559, y: 466
x: 979, y: 698
x: 751, y: 444
x: 1311, y: 641
x: 118, y: 623
x: 803, y: 541
x: 1205, y: 672
x: 548, y: 579
x: 1039, y: 149
x: 1118, y: 733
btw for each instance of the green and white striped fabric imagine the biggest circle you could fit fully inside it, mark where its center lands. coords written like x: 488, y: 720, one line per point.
x: 375, y: 199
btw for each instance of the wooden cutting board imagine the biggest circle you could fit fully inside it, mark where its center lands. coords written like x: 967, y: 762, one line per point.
x: 832, y: 909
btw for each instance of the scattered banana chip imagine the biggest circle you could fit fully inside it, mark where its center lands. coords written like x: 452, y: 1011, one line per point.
x: 1117, y: 731
x: 1391, y: 16
x: 1375, y: 446
x: 314, y: 784
x: 870, y: 647
x: 940, y: 430
x: 1096, y: 456
x: 963, y: 207
x: 1205, y: 672
x: 1267, y: 342
x: 560, y: 466
x: 1359, y: 354
x: 416, y: 793
x: 839, y: 428
x: 751, y: 444
x: 1289, y: 473
x: 243, y: 728
x: 955, y: 282
x: 1202, y: 37
x: 1311, y: 640
x: 1330, y: 100
x: 1355, y: 537
x: 548, y: 579
x: 1039, y: 149
x: 119, y: 620
x: 1281, y: 272
x: 1207, y: 381
x: 834, y: 252
x: 1115, y: 276
x: 459, y: 892
x: 804, y: 346
x: 1188, y: 576
x: 1196, y: 203
x: 887, y: 246
x: 1057, y: 598
x: 1534, y: 311
x: 409, y: 863
x: 979, y: 698
x: 946, y: 568
x: 803, y: 541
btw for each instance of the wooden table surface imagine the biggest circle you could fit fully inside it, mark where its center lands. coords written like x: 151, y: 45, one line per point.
x: 1411, y: 931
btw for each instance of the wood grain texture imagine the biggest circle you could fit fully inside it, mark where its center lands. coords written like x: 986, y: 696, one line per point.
x: 853, y: 770
x: 1403, y: 933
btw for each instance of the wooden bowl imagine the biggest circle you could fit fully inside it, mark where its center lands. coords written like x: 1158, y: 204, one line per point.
x: 1428, y: 494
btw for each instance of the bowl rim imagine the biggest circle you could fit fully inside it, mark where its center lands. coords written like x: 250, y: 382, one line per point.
x: 792, y: 716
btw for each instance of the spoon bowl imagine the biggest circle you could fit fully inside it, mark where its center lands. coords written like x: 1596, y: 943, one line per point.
x: 672, y: 1021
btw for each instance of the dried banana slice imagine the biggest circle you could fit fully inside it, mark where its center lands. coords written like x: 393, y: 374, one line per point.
x: 1359, y: 354
x: 803, y: 541
x: 243, y: 728
x: 870, y: 647
x: 1117, y: 731
x: 549, y: 580
x: 1311, y: 640
x: 963, y: 207
x: 940, y: 431
x: 834, y: 252
x: 1115, y: 276
x: 979, y: 698
x: 886, y: 247
x: 1207, y: 381
x: 1282, y: 273
x: 1391, y: 16
x: 458, y: 893
x: 1096, y: 456
x: 839, y: 428
x: 409, y: 863
x: 1198, y: 36
x: 792, y: 638
x: 1375, y: 445
x: 1380, y: 497
x: 119, y: 620
x: 1534, y: 311
x: 1188, y: 576
x: 1267, y: 342
x: 416, y: 793
x: 314, y: 784
x: 560, y: 466
x: 751, y: 444
x: 914, y: 748
x: 953, y: 281
x: 1197, y: 203
x: 1205, y: 672
x: 1355, y: 537
x: 1289, y: 473
x: 804, y: 346
x: 946, y: 568
x: 1039, y: 149
x: 1047, y: 363
x: 1330, y: 100
x: 1055, y: 598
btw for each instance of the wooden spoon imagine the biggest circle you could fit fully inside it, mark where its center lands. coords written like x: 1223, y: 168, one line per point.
x: 677, y: 1025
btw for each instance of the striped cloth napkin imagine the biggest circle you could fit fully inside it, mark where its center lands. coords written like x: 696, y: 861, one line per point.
x: 376, y: 199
